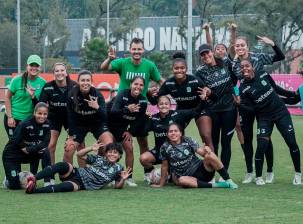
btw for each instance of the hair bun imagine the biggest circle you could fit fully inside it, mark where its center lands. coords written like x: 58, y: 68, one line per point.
x: 179, y: 54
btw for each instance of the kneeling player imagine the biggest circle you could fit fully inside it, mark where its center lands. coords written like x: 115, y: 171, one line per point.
x: 179, y: 153
x: 102, y: 170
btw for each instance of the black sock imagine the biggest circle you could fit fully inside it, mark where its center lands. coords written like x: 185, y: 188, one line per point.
x: 248, y: 154
x: 223, y: 173
x: 262, y: 146
x: 202, y: 184
x: 61, y: 168
x: 148, y: 170
x: 269, y: 156
x: 62, y: 187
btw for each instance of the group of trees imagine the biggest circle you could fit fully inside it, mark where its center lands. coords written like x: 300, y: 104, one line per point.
x: 44, y: 30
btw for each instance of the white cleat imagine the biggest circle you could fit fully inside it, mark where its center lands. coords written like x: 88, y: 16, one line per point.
x: 259, y: 181
x: 249, y: 177
x: 130, y: 182
x: 269, y: 178
x: 297, y: 179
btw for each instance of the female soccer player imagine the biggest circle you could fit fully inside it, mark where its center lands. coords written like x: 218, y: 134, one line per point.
x: 55, y: 94
x: 179, y: 154
x: 270, y: 110
x: 186, y: 90
x: 221, y: 51
x: 102, y: 170
x: 258, y: 61
x: 28, y: 145
x: 126, y: 119
x: 86, y: 113
x: 22, y: 94
x: 159, y: 125
x: 216, y: 74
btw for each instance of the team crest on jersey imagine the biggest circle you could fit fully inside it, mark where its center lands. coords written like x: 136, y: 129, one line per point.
x: 263, y: 82
x: 186, y: 152
x: 111, y: 170
x: 188, y: 89
x: 41, y: 133
x: 170, y: 122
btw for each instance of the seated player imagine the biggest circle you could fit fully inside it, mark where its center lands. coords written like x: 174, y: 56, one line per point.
x: 179, y: 154
x: 102, y: 170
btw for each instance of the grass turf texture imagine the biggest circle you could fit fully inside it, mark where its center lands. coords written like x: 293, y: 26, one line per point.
x: 280, y: 202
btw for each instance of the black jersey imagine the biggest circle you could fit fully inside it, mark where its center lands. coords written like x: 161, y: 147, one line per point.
x: 221, y: 80
x: 182, y: 157
x: 56, y: 97
x: 80, y: 114
x: 258, y: 61
x: 260, y: 95
x: 159, y: 125
x: 120, y: 109
x: 185, y: 94
x: 29, y: 134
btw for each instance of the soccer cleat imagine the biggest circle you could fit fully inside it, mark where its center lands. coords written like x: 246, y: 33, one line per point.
x: 249, y: 177
x: 297, y: 179
x: 147, y: 178
x: 269, y: 178
x: 31, y: 184
x: 222, y: 184
x: 232, y: 185
x: 130, y: 182
x: 260, y: 181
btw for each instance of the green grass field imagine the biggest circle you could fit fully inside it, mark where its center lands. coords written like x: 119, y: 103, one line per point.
x: 280, y: 202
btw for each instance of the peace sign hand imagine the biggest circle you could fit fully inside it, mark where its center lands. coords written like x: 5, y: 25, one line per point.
x: 125, y: 174
x: 93, y: 102
x: 111, y: 54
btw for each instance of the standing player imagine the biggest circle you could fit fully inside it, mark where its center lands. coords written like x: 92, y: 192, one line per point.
x: 185, y: 90
x: 22, y: 94
x: 102, y: 170
x: 86, y: 113
x: 55, y: 94
x: 28, y: 145
x: 216, y: 74
x: 128, y: 68
x: 258, y: 60
x: 126, y: 117
x: 270, y: 110
x: 179, y: 154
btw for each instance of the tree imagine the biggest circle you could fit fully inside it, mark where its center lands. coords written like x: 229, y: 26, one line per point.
x: 57, y: 32
x: 163, y: 62
x: 93, y: 53
x: 126, y: 13
x: 8, y: 45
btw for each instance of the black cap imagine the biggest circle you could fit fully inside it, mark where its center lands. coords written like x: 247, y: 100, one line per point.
x: 204, y: 48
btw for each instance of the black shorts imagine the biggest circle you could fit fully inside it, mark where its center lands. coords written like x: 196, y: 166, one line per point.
x: 202, y: 174
x: 203, y: 112
x: 79, y: 132
x: 75, y: 178
x: 9, y: 130
x: 117, y: 132
x: 57, y: 124
x: 156, y: 153
x: 139, y: 127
